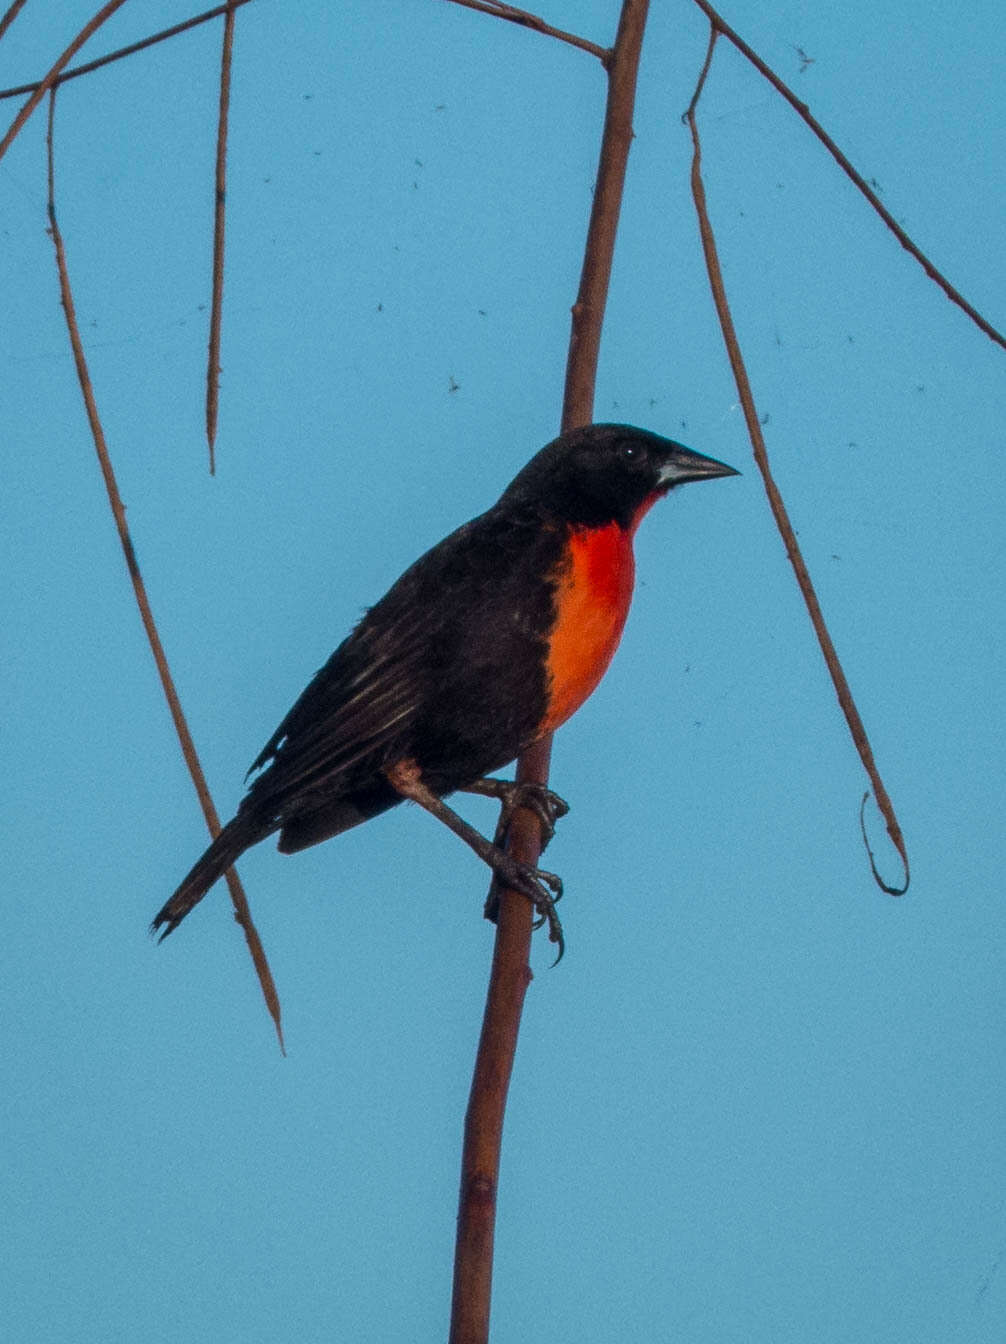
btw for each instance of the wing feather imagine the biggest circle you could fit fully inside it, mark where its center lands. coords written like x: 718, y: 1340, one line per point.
x: 357, y: 709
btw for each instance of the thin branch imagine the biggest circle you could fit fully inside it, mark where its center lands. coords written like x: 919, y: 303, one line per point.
x: 44, y: 85
x: 954, y: 295
x: 592, y: 296
x: 500, y: 11
x: 216, y: 307
x: 520, y: 16
x: 511, y: 973
x: 852, y: 716
x: 13, y: 11
x: 121, y: 52
x: 241, y: 912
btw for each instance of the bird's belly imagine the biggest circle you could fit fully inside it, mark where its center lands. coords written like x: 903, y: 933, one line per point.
x: 593, y: 592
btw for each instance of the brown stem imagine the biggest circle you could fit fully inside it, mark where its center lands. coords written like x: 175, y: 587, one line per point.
x: 720, y: 26
x: 511, y: 974
x: 241, y: 912
x: 842, y: 689
x: 219, y: 214
x: 49, y: 81
x: 12, y: 11
x: 499, y: 10
x: 121, y: 52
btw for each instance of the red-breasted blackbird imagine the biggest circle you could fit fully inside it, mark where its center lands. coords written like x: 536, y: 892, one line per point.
x: 488, y: 642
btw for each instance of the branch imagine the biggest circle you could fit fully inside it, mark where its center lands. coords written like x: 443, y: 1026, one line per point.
x: 241, y: 911
x: 511, y: 973
x: 500, y: 10
x: 51, y: 79
x: 13, y: 10
x: 852, y: 716
x: 122, y: 52
x: 719, y: 26
x: 220, y: 198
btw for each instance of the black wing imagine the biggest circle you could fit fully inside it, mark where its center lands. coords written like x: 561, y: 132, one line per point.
x: 356, y: 711
x: 443, y: 667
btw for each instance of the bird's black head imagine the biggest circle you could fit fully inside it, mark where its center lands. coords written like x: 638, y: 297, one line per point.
x: 606, y: 473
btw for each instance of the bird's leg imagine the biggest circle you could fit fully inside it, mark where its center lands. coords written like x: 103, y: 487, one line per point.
x: 541, y: 888
x: 547, y: 806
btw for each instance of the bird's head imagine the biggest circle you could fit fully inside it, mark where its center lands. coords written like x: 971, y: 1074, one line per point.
x: 601, y: 474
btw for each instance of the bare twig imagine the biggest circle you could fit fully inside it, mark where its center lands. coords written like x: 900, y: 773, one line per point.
x: 121, y: 52
x: 510, y: 973
x: 44, y: 85
x: 720, y: 26
x: 500, y: 10
x: 11, y: 14
x: 216, y: 309
x: 241, y: 912
x: 852, y: 716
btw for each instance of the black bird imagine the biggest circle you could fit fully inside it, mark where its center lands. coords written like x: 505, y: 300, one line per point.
x: 488, y: 642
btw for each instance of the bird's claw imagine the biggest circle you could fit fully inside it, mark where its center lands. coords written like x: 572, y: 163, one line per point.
x: 546, y: 912
x: 547, y: 806
x: 541, y: 888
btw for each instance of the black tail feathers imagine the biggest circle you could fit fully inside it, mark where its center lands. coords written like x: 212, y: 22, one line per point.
x: 232, y: 841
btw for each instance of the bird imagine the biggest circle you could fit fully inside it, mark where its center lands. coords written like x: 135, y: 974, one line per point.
x: 487, y: 643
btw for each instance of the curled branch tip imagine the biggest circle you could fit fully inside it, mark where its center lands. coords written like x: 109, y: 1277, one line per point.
x: 891, y: 891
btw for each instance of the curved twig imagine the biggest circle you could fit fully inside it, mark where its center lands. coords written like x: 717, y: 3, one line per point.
x: 842, y: 689
x: 241, y: 911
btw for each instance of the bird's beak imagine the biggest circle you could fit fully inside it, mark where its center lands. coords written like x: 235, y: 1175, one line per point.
x: 682, y: 465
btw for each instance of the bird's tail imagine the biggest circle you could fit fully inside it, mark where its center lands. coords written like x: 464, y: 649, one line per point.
x: 232, y: 841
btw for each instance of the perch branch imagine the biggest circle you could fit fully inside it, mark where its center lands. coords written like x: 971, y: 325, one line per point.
x: 511, y: 974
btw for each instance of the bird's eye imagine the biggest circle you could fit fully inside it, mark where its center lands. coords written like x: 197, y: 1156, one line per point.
x: 629, y: 452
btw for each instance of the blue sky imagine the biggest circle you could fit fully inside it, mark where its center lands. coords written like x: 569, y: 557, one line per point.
x: 759, y: 1100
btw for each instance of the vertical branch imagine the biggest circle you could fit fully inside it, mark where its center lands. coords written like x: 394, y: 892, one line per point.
x: 241, y: 911
x: 216, y: 308
x: 511, y: 974
x: 588, y: 310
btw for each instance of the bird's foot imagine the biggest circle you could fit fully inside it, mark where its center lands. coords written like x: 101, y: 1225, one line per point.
x: 542, y: 889
x: 547, y: 806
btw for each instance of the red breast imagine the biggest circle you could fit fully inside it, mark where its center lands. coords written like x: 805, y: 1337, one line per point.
x: 593, y: 593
